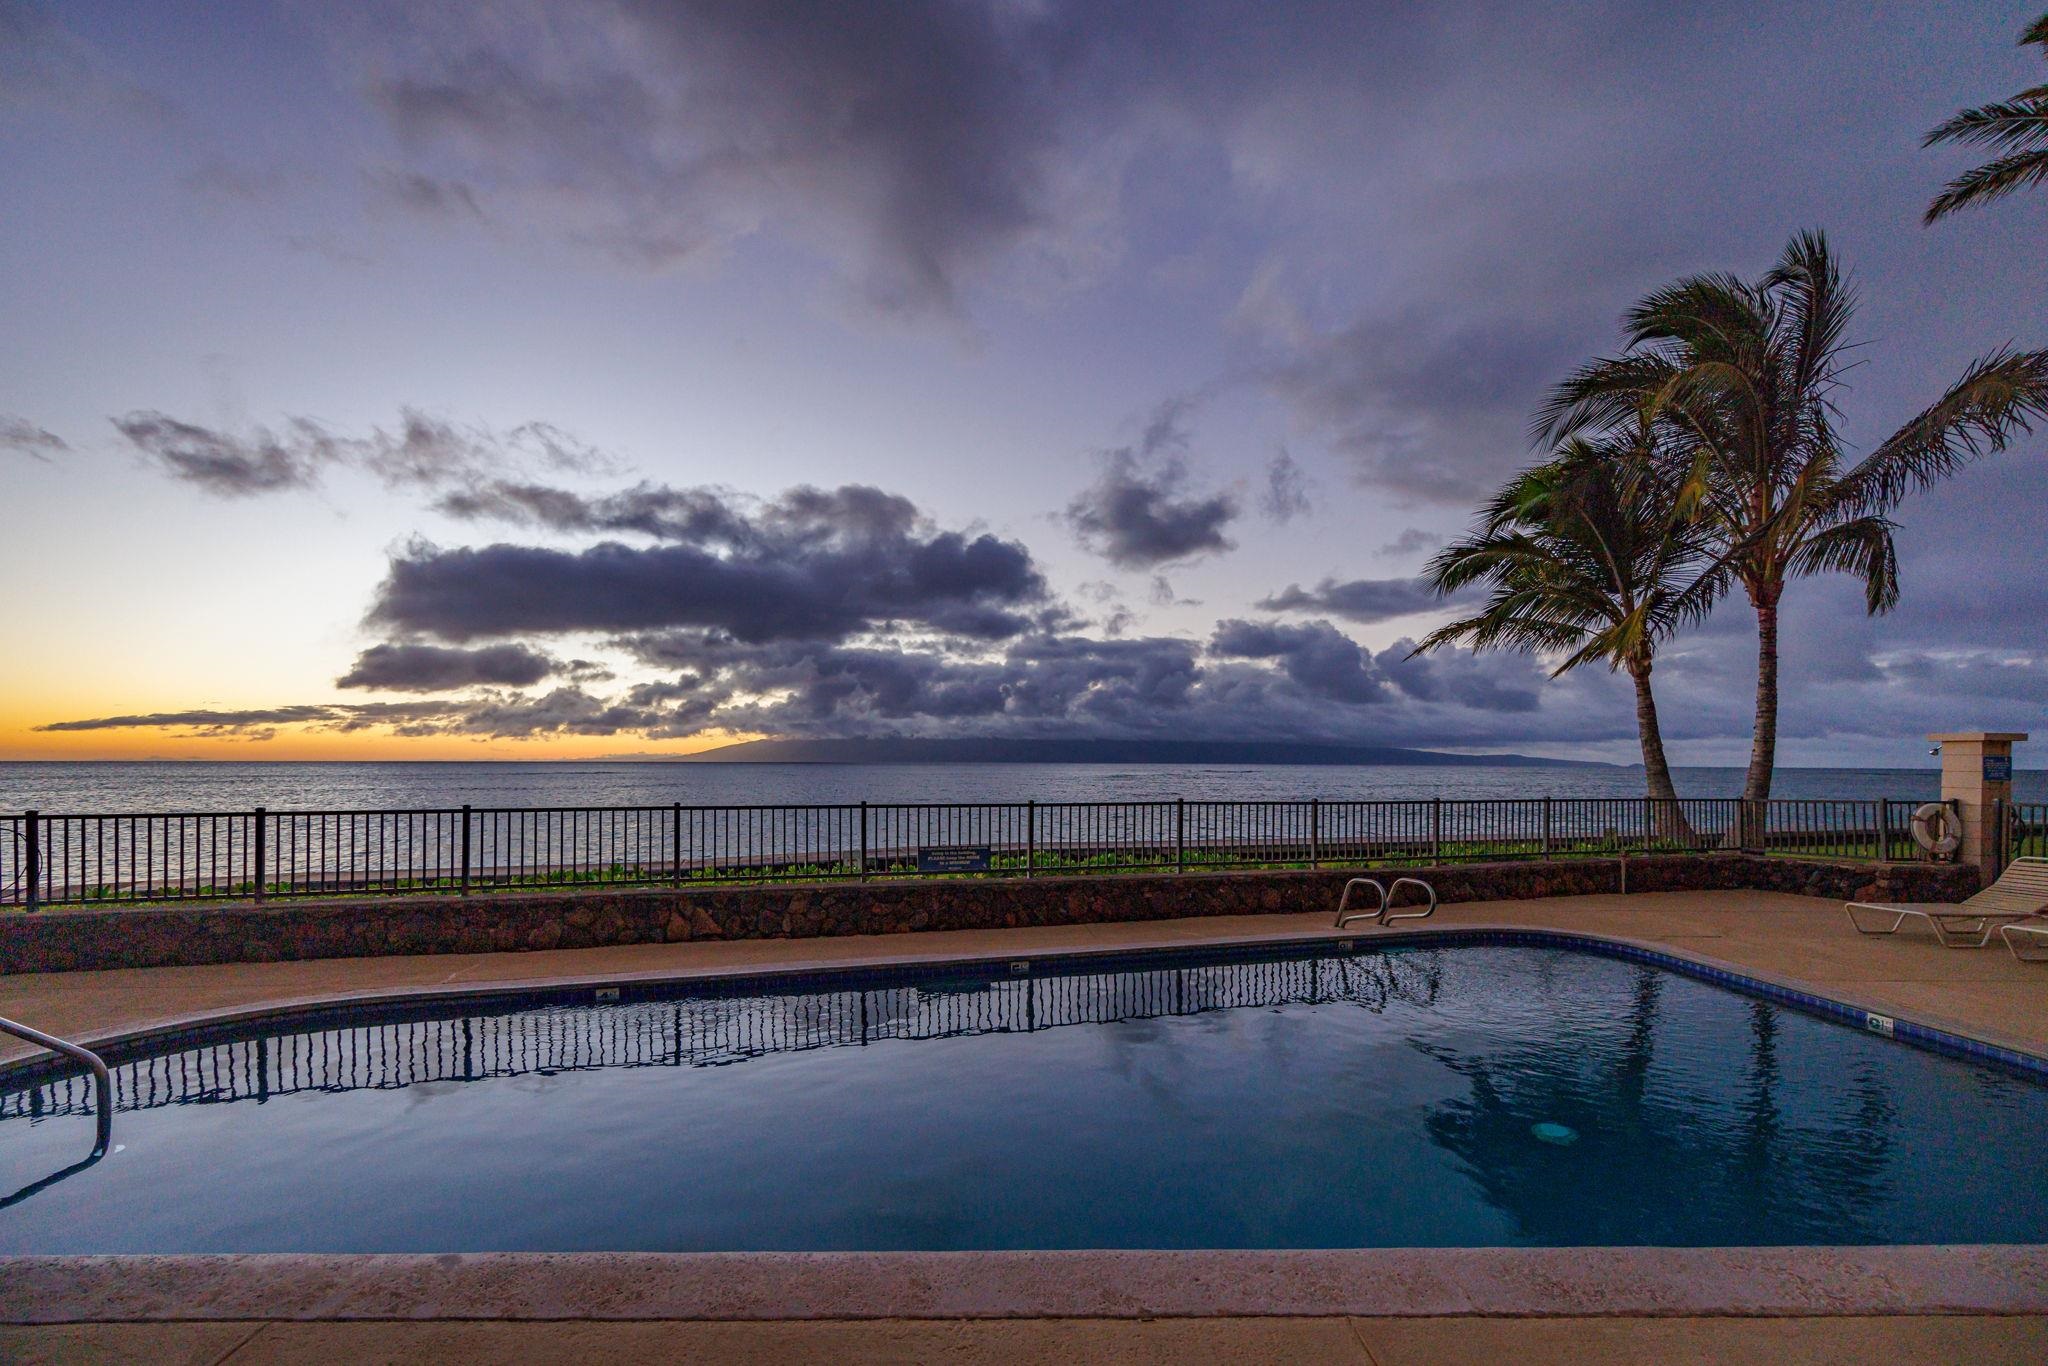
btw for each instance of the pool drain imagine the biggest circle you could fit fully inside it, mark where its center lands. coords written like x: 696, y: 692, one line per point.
x: 1550, y: 1131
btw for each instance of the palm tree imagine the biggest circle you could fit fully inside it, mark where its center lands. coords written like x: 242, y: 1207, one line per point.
x: 1591, y: 556
x: 1740, y: 380
x: 2016, y: 128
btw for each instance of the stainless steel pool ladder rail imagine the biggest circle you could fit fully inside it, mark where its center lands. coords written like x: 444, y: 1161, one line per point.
x: 103, y: 1080
x: 1383, y: 913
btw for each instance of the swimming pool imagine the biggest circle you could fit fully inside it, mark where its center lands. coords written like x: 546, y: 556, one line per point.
x: 1418, y: 1094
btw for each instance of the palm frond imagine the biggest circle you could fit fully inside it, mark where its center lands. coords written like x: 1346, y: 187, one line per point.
x: 1862, y: 548
x: 1503, y: 630
x: 1992, y: 180
x: 2005, y: 123
x: 1818, y: 303
x: 1599, y: 396
x: 1708, y: 315
x: 1999, y: 397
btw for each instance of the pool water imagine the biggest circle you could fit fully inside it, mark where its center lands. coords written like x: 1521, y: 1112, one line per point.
x: 1456, y: 1095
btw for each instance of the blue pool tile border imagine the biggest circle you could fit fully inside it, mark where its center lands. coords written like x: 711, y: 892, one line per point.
x: 870, y: 976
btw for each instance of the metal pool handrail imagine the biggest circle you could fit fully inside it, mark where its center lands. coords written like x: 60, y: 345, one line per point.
x: 1387, y: 916
x: 1384, y: 913
x: 103, y: 1110
x: 1345, y: 915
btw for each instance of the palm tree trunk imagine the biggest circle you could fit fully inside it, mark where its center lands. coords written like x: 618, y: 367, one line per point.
x: 1763, y: 744
x: 1667, y: 820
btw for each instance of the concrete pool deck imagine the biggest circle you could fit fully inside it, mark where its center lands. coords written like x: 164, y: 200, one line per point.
x: 1583, y: 1304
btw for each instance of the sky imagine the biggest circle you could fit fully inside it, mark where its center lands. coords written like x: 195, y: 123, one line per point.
x: 527, y: 380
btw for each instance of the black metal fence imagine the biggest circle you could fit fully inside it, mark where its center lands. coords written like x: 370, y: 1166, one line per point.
x: 62, y: 859
x: 2027, y: 830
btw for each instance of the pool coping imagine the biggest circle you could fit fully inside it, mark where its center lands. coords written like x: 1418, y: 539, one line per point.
x: 1376, y: 1282
x: 1600, y: 1281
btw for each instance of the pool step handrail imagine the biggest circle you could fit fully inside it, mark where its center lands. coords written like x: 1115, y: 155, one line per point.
x: 1345, y: 915
x: 103, y: 1080
x: 1389, y: 915
x: 1384, y: 913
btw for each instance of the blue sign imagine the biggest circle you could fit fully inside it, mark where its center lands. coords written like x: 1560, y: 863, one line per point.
x: 1998, y: 768
x: 953, y: 858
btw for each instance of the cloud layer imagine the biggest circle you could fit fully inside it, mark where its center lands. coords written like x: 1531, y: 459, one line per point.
x: 420, y: 452
x: 23, y: 437
x: 1140, y: 514
x: 814, y: 564
x: 414, y: 667
x: 1365, y: 601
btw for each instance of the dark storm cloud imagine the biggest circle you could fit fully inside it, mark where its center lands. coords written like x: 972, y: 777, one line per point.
x: 421, y: 452
x: 814, y: 564
x: 1318, y: 657
x: 564, y: 711
x: 410, y: 667
x: 1134, y: 519
x: 23, y: 437
x: 701, y: 515
x: 1040, y: 685
x: 1496, y: 683
x: 919, y: 132
x: 1139, y: 513
x: 928, y: 143
x: 1364, y: 601
x: 1250, y: 679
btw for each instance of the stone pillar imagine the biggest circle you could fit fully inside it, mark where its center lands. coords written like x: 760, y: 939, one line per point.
x: 1976, y: 772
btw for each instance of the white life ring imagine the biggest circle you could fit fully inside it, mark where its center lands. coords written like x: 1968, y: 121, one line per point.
x: 1936, y: 829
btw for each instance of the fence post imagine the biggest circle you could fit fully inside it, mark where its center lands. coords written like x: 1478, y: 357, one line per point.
x: 1180, y: 834
x: 1884, y: 829
x: 1030, y: 835
x: 465, y: 849
x: 33, y: 831
x: 1546, y: 827
x: 863, y: 841
x: 675, y: 843
x: 1436, y: 829
x: 261, y: 821
x: 2001, y: 840
x: 1315, y: 832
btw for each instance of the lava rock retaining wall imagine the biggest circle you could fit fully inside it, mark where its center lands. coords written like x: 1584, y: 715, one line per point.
x: 63, y: 941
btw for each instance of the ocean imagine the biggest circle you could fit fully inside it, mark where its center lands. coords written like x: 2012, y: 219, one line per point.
x: 74, y: 787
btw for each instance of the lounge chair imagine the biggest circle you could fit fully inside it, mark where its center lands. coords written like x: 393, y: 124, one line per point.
x: 2028, y: 939
x: 2020, y: 893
